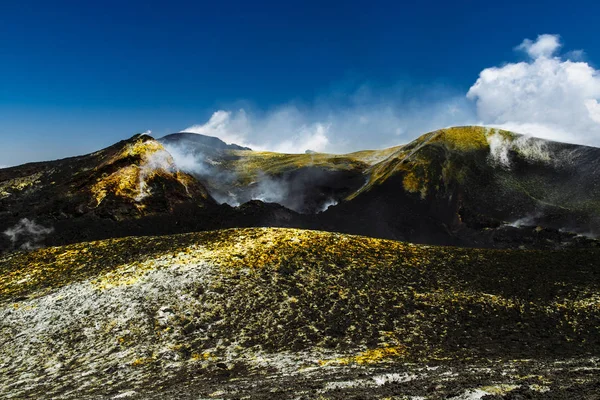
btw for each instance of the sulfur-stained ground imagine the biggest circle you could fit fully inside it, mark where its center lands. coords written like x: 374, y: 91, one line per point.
x: 287, y: 313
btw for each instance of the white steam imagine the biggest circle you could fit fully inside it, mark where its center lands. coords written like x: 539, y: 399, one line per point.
x: 329, y: 203
x: 29, y: 232
x: 229, y: 127
x: 533, y: 149
x: 499, y: 147
x: 184, y: 159
x: 527, y: 147
x: 205, y: 168
x: 271, y: 191
x: 225, y: 185
x: 363, y: 119
x: 160, y: 160
x: 291, y: 133
x: 527, y: 220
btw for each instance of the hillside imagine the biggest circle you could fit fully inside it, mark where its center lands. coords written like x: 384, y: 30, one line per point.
x: 69, y: 200
x: 305, y: 183
x: 464, y: 186
x: 288, y: 313
x: 471, y: 179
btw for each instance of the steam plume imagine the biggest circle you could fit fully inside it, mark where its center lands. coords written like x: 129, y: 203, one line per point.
x: 28, y: 231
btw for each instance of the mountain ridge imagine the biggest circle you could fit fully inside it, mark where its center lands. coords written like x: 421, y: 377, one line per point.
x: 467, y: 186
x: 124, y: 275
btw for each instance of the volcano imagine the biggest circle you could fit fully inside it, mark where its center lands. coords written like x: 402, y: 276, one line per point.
x: 464, y: 186
x: 461, y: 265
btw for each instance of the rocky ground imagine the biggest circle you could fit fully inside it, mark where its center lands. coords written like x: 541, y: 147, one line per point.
x: 286, y: 313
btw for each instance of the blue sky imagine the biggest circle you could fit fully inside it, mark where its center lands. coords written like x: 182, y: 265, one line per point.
x: 77, y: 76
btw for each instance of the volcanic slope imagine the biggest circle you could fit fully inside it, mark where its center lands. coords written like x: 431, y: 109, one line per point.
x: 306, y: 183
x: 480, y: 186
x: 288, y: 313
x: 468, y: 185
x: 84, y: 197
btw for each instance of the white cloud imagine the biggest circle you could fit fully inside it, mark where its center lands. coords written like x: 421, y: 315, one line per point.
x: 550, y: 96
x: 593, y: 109
x: 544, y: 46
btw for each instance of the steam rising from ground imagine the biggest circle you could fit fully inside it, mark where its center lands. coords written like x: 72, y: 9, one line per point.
x: 527, y: 147
x: 270, y: 190
x: 225, y: 187
x: 327, y: 204
x: 366, y: 118
x: 204, y: 167
x: 159, y: 160
x: 527, y: 220
x: 28, y: 232
x: 185, y: 158
x: 573, y: 169
x: 296, y: 133
x: 499, y: 146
